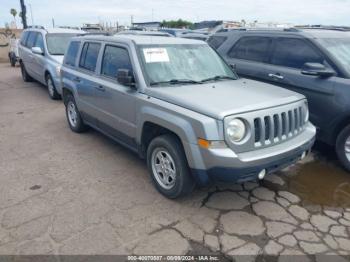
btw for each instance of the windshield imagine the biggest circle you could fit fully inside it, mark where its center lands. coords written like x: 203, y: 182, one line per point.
x: 183, y: 64
x: 340, y: 50
x: 58, y: 43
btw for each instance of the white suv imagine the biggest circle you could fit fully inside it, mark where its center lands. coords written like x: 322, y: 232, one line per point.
x: 41, y: 54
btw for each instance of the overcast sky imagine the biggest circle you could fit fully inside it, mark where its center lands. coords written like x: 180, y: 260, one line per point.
x: 77, y: 12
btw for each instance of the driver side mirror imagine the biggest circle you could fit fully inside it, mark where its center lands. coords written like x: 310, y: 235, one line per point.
x: 37, y: 50
x: 125, y: 78
x: 316, y: 69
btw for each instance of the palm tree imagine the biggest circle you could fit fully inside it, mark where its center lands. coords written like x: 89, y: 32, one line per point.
x: 14, y: 13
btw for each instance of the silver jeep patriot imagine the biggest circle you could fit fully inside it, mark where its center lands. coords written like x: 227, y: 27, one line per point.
x: 181, y: 107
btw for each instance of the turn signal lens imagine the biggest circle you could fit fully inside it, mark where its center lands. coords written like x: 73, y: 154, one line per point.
x: 203, y: 143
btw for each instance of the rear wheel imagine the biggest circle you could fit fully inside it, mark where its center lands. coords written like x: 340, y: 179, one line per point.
x: 168, y: 167
x: 74, y: 119
x: 343, y: 147
x: 54, y: 95
x: 25, y: 76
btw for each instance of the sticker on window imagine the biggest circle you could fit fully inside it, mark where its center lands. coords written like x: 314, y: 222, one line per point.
x: 155, y: 55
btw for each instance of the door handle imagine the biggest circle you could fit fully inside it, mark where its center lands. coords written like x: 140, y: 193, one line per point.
x: 77, y: 79
x: 276, y: 76
x: 100, y: 88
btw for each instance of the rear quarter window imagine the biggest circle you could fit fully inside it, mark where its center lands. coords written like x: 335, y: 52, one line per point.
x: 216, y: 41
x: 252, y: 48
x: 72, y: 53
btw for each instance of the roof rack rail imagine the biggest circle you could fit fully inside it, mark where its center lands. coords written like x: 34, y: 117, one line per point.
x: 322, y: 27
x: 96, y: 33
x: 286, y: 29
x: 36, y: 26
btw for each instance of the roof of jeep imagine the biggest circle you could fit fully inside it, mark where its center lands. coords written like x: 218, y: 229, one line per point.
x: 305, y: 32
x: 142, y: 39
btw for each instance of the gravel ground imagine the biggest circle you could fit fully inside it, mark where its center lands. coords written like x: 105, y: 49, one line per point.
x: 64, y: 193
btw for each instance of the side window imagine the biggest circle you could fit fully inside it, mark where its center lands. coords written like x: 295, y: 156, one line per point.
x: 39, y: 41
x: 251, y: 48
x: 115, y: 58
x: 216, y: 41
x: 72, y: 53
x: 292, y: 52
x: 24, y: 38
x: 89, y: 56
x: 31, y: 39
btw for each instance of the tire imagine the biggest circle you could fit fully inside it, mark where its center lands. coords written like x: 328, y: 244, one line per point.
x: 178, y: 181
x: 343, y: 147
x: 54, y: 95
x: 25, y: 76
x: 74, y: 119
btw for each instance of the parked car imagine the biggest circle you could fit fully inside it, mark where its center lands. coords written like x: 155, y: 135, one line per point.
x: 312, y: 61
x: 139, y: 32
x: 41, y: 53
x: 174, y: 31
x: 13, y: 52
x: 195, y: 36
x: 177, y: 104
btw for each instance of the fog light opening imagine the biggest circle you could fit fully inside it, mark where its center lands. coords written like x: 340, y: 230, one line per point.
x: 262, y: 174
x: 303, y: 155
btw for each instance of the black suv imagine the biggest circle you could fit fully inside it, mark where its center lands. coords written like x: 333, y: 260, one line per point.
x: 311, y: 61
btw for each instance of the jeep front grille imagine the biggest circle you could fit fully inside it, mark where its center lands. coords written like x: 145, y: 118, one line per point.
x: 274, y: 128
x: 271, y: 126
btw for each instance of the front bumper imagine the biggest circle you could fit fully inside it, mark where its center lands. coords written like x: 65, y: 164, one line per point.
x: 58, y: 84
x: 225, y: 165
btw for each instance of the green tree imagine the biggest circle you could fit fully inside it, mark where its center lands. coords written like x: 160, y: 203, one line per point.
x: 13, y: 12
x: 177, y: 24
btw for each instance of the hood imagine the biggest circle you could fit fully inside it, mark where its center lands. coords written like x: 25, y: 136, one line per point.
x: 58, y: 58
x: 224, y: 98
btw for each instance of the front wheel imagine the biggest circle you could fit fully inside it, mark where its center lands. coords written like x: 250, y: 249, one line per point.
x: 54, y: 95
x: 343, y: 147
x: 168, y: 167
x: 74, y: 119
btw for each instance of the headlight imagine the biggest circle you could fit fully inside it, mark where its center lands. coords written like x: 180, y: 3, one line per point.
x: 306, y: 112
x: 58, y: 70
x: 236, y: 130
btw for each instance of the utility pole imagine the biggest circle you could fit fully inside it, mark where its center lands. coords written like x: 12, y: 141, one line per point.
x: 31, y: 13
x: 24, y: 14
x: 53, y: 22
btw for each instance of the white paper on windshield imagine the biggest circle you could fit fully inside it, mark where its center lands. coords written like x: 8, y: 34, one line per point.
x: 155, y: 55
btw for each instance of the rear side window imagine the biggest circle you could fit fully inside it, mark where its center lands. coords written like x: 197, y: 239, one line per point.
x: 292, y: 52
x: 31, y: 39
x: 216, y: 41
x: 72, y: 53
x: 24, y: 37
x: 251, y: 48
x: 115, y: 58
x: 89, y: 56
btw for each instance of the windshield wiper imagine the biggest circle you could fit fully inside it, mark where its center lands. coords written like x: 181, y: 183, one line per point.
x: 176, y: 81
x: 216, y: 78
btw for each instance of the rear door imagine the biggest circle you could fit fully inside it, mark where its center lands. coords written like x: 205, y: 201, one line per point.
x: 28, y: 56
x: 86, y: 81
x: 250, y: 55
x: 116, y: 102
